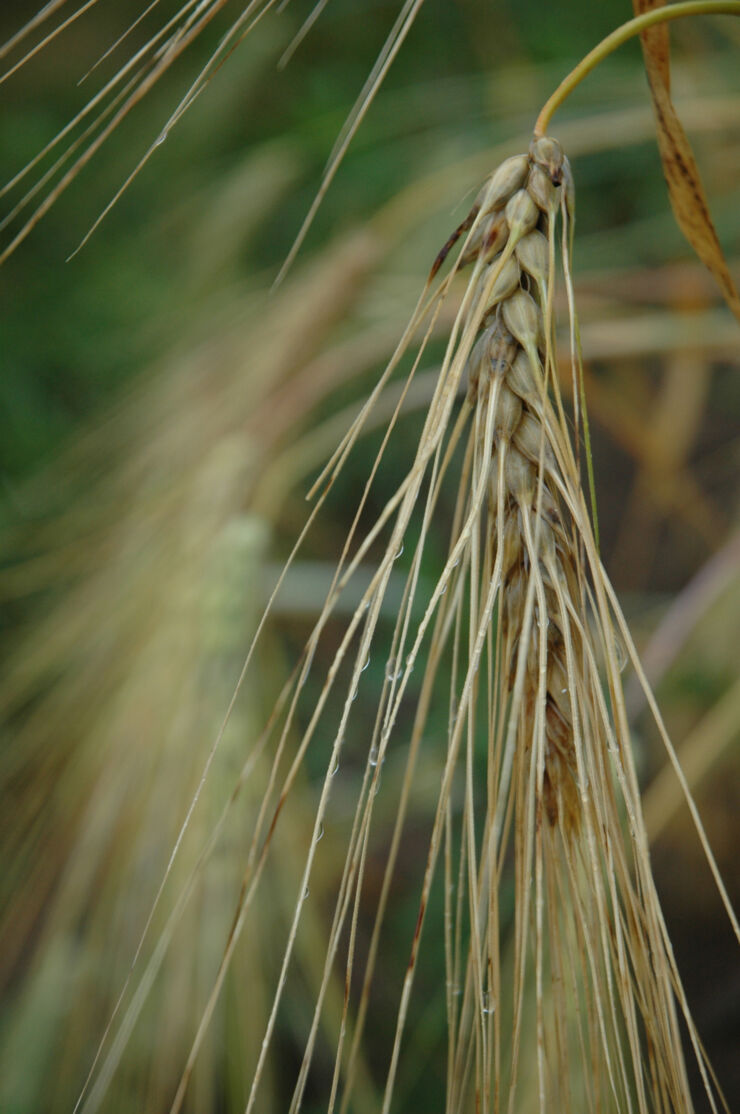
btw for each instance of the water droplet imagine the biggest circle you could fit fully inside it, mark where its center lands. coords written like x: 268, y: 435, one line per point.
x: 399, y: 553
x: 161, y: 138
x: 336, y: 767
x: 409, y: 663
x: 390, y: 670
x: 373, y: 757
x: 443, y: 589
x: 456, y: 562
x: 354, y: 695
x: 305, y: 893
x: 488, y: 1004
x: 367, y: 662
x: 377, y: 786
x: 320, y: 835
x: 564, y: 690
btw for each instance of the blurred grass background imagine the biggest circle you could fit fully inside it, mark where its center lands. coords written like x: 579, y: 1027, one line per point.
x: 163, y: 414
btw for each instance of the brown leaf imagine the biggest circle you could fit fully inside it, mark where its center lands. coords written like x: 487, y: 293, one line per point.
x: 656, y: 44
x: 685, y: 189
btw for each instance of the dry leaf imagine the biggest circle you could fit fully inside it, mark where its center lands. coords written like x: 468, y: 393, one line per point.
x: 656, y: 43
x: 685, y: 189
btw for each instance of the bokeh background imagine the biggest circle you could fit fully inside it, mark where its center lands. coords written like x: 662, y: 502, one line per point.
x: 163, y: 414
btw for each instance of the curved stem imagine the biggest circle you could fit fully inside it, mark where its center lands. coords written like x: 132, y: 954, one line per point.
x: 621, y: 35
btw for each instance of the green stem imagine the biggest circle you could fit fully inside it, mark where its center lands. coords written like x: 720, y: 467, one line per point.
x: 621, y: 35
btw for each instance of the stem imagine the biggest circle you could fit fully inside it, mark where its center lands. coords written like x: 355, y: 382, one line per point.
x: 627, y: 31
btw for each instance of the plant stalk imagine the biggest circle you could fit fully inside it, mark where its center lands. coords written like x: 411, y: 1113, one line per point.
x: 621, y: 35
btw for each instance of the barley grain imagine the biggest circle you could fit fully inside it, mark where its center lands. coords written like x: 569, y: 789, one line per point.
x: 558, y: 728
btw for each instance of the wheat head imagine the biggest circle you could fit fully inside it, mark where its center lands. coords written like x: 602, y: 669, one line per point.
x: 575, y: 1006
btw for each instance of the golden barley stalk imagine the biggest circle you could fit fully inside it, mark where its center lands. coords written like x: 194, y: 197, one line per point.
x: 552, y: 737
x: 525, y: 615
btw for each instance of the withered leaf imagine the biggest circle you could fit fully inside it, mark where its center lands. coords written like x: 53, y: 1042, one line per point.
x: 656, y: 43
x: 685, y: 189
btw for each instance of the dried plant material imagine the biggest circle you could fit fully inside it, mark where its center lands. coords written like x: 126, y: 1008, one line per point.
x: 685, y: 188
x: 80, y: 140
x: 656, y: 44
x: 127, y: 676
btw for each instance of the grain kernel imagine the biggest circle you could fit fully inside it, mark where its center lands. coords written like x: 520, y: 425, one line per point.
x: 504, y: 181
x: 548, y: 154
x: 506, y: 283
x: 522, y: 381
x: 529, y: 438
x: 523, y: 319
x: 540, y: 188
x: 513, y: 601
x: 521, y: 215
x: 512, y: 545
x: 508, y: 413
x: 546, y: 540
x: 533, y: 254
x: 502, y: 350
x: 519, y: 476
x: 488, y: 238
x: 492, y: 354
